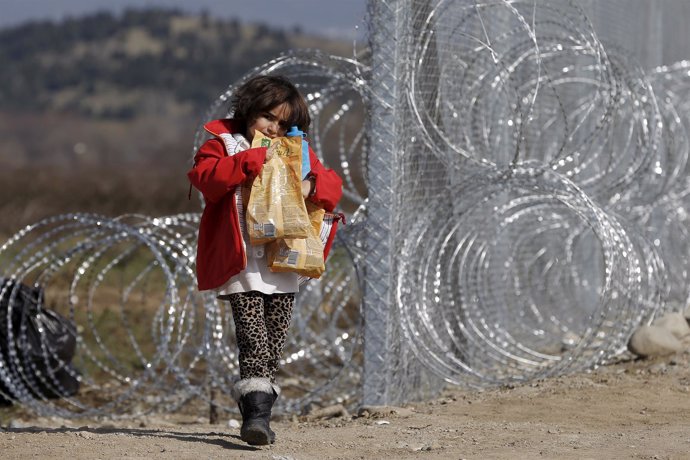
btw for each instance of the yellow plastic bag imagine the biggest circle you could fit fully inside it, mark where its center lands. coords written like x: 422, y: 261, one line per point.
x: 276, y: 207
x: 303, y: 256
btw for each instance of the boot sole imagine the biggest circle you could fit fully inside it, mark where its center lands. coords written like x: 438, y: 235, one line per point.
x: 255, y: 436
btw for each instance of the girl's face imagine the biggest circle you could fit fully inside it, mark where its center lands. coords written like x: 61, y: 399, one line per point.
x: 272, y: 123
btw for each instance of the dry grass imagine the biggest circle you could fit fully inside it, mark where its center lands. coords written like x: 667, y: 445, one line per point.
x: 29, y: 195
x: 59, y: 164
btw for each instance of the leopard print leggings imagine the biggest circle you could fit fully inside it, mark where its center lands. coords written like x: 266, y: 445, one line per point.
x: 261, y: 326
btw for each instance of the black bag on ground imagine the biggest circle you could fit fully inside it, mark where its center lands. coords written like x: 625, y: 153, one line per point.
x: 44, y: 341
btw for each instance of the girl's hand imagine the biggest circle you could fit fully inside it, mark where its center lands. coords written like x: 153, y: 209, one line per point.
x: 270, y: 152
x: 307, y: 187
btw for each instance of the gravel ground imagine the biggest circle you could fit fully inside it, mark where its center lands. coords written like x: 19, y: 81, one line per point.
x: 633, y: 409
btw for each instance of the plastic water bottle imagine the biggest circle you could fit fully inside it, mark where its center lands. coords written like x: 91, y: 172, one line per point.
x: 306, y: 166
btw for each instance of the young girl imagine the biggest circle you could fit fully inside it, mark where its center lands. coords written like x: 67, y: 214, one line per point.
x: 261, y: 300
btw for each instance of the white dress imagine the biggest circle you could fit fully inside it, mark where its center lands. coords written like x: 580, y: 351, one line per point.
x: 257, y: 276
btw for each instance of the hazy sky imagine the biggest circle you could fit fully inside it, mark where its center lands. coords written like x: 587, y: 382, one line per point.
x: 340, y: 18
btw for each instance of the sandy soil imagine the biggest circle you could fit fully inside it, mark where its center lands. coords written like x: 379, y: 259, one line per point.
x: 634, y: 409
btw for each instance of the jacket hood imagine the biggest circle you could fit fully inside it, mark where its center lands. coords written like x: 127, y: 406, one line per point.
x: 225, y: 126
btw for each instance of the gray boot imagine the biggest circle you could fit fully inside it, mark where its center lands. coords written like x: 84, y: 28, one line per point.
x: 255, y: 398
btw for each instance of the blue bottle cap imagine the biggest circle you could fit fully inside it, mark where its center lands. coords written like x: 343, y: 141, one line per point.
x: 295, y: 131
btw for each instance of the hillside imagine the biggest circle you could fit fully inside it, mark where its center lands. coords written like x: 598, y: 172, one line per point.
x: 94, y: 108
x: 143, y: 62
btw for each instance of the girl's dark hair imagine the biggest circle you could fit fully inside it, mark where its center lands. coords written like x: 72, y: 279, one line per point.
x: 264, y: 92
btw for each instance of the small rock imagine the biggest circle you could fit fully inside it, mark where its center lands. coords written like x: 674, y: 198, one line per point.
x: 84, y: 434
x: 232, y: 423
x: 659, y: 368
x: 675, y: 323
x: 570, y: 341
x: 16, y: 424
x: 383, y: 422
x: 384, y: 411
x: 337, y: 410
x: 653, y: 341
x: 424, y: 448
x: 58, y: 421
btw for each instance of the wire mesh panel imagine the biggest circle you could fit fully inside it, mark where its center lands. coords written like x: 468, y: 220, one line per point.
x: 528, y: 157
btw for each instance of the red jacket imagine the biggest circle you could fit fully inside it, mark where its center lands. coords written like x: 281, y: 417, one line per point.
x: 220, y: 250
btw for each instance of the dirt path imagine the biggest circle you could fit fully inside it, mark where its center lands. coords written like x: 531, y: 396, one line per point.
x: 629, y: 410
